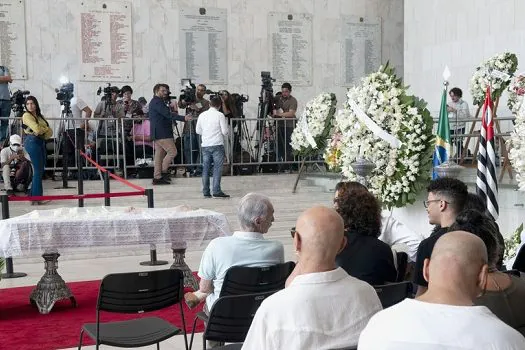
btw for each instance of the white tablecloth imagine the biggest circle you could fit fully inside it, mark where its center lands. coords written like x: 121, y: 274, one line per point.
x: 42, y: 230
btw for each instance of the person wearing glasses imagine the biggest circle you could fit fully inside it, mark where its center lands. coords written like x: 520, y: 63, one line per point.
x: 445, y: 200
x: 15, y: 162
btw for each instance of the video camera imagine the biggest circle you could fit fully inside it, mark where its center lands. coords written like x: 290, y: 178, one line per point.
x: 65, y: 93
x: 108, y: 90
x: 18, y: 99
x: 188, y: 94
x: 267, y: 81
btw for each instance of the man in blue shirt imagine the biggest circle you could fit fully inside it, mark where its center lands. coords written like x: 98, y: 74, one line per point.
x: 162, y: 114
x: 5, y: 101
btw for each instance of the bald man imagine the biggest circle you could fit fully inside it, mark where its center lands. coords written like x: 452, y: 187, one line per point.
x: 444, y: 317
x: 322, y: 307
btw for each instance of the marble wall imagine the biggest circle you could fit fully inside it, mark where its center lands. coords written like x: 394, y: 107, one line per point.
x: 52, y: 46
x: 460, y: 34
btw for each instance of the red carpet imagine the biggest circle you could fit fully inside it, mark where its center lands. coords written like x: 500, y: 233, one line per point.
x: 22, y: 327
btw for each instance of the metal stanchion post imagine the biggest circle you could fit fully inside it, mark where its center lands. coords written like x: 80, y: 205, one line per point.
x: 80, y: 179
x: 107, y: 200
x: 153, y: 249
x: 4, y: 199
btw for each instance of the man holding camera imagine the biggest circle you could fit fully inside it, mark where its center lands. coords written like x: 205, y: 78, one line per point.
x: 15, y: 161
x: 5, y: 101
x: 190, y: 139
x: 76, y: 128
x: 285, y: 108
x: 162, y: 116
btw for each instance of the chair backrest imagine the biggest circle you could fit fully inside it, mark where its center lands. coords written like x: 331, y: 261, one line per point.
x: 231, y: 317
x: 402, y: 263
x: 247, y: 280
x: 135, y: 292
x: 519, y: 263
x: 391, y: 294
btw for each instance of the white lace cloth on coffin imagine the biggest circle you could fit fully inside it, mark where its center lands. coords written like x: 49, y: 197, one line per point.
x: 50, y: 230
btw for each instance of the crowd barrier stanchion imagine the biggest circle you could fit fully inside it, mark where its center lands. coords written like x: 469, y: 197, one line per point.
x: 107, y: 200
x: 153, y: 248
x: 80, y: 179
x: 10, y: 273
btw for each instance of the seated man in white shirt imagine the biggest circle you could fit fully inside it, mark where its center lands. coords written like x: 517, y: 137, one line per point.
x: 15, y: 161
x: 244, y: 248
x: 393, y: 232
x: 322, y: 307
x: 444, y: 316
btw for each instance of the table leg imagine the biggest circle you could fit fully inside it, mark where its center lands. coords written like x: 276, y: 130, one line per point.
x: 180, y: 264
x: 51, y: 286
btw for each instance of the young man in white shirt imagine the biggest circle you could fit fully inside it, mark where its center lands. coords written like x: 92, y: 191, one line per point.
x: 244, y: 248
x: 444, y: 317
x: 15, y: 159
x: 212, y: 126
x: 457, y: 108
x: 322, y: 307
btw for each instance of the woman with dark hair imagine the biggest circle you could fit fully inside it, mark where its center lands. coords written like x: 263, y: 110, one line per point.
x: 37, y: 131
x: 228, y: 105
x: 504, y: 293
x: 365, y: 256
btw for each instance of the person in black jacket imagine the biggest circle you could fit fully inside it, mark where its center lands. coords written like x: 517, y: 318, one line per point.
x: 365, y: 256
x: 162, y: 115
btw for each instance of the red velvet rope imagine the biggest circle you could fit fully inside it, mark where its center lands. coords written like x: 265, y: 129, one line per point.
x: 75, y: 196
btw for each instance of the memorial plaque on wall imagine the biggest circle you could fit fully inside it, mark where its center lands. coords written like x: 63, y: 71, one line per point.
x: 203, y: 42
x: 106, y: 52
x: 360, y: 49
x: 13, y: 38
x: 290, y: 39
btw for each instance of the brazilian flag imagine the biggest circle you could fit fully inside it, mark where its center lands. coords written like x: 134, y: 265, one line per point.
x: 442, y: 148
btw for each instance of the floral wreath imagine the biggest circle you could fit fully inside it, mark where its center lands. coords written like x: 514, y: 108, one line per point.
x: 314, y: 125
x: 516, y: 92
x: 505, y: 63
x: 517, y: 143
x: 400, y: 172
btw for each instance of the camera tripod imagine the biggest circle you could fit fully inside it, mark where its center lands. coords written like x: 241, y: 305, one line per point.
x: 63, y: 140
x: 265, y: 130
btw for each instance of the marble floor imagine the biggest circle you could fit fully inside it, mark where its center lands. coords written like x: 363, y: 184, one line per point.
x: 90, y: 264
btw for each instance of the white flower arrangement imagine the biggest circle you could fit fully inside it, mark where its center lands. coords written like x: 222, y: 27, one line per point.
x: 400, y: 173
x: 516, y: 93
x: 516, y: 145
x: 506, y: 63
x: 314, y: 125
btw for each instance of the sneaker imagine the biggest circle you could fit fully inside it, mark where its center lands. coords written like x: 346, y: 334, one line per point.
x: 221, y: 195
x: 160, y: 181
x: 166, y: 177
x: 207, y: 195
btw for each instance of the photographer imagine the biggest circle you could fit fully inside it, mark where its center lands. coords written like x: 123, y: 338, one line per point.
x: 191, y: 140
x: 75, y: 128
x: 5, y: 101
x: 161, y: 118
x: 15, y: 161
x: 107, y: 130
x: 285, y: 107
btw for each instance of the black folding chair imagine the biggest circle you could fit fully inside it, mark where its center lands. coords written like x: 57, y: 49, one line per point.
x: 230, y: 318
x: 241, y: 280
x: 402, y: 263
x: 137, y: 292
x: 393, y: 293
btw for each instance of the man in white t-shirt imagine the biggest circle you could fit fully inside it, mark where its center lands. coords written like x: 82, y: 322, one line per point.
x: 322, y: 307
x: 444, y: 316
x: 15, y: 161
x: 247, y: 247
x: 76, y: 127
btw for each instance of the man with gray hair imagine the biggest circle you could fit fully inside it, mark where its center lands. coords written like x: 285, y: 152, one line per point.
x: 247, y: 247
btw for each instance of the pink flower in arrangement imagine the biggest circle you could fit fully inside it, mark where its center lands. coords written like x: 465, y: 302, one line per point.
x: 336, y: 139
x: 520, y: 91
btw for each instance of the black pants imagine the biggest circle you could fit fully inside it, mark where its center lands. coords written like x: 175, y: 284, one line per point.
x: 72, y: 140
x: 457, y: 141
x: 284, y: 137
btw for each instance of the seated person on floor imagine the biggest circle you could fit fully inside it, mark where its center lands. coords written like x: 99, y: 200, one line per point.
x: 393, y: 232
x: 15, y: 162
x: 504, y: 294
x: 446, y: 198
x: 364, y: 256
x: 247, y: 247
x: 322, y: 307
x: 445, y: 317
